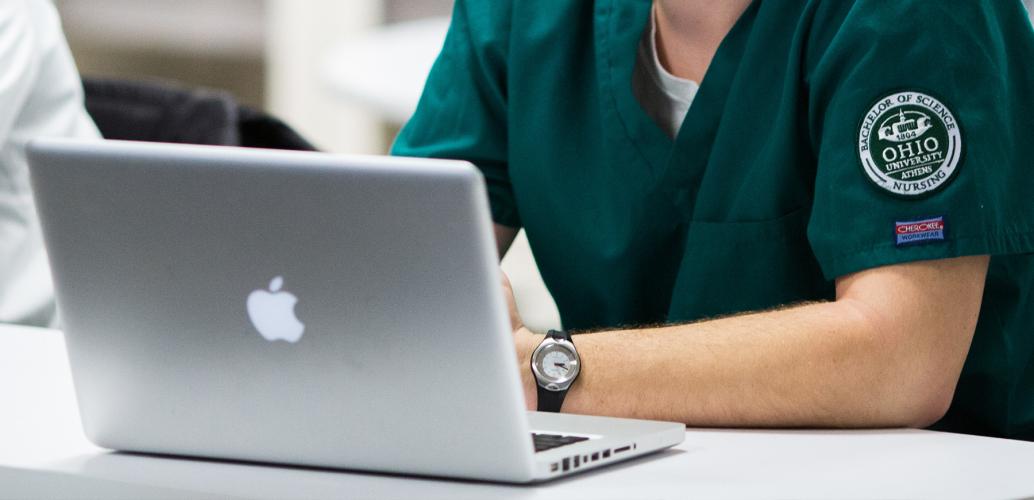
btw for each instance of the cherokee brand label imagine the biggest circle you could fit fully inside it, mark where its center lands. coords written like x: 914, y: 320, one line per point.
x: 919, y: 231
x: 909, y: 144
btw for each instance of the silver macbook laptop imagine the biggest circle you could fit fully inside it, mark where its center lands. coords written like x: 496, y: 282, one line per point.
x: 298, y: 308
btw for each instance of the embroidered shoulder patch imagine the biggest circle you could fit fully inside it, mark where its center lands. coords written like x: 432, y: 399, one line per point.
x: 919, y: 231
x: 909, y: 144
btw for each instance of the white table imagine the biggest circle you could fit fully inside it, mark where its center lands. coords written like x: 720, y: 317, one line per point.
x: 39, y: 430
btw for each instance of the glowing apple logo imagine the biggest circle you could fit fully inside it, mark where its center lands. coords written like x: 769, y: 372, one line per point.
x: 272, y: 313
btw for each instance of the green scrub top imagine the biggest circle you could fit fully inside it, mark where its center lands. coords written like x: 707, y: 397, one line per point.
x: 827, y: 137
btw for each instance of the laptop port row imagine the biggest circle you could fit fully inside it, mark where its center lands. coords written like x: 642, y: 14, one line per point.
x: 577, y: 461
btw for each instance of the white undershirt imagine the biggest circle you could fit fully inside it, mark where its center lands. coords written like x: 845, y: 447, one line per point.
x: 665, y: 97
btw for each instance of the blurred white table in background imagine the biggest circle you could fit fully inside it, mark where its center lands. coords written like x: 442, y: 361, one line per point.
x: 40, y: 431
x: 384, y: 70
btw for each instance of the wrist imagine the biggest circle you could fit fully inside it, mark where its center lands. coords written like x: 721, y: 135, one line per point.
x: 526, y: 341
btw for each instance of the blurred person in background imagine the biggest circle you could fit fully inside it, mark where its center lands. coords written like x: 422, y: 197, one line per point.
x: 40, y: 96
x: 832, y: 228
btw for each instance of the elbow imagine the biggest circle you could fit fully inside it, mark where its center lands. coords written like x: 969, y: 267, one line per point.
x: 912, y: 387
x: 914, y: 404
x: 915, y: 398
x: 918, y: 398
x: 927, y: 409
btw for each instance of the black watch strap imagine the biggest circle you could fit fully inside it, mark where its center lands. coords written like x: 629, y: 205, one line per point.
x: 559, y: 335
x: 548, y: 400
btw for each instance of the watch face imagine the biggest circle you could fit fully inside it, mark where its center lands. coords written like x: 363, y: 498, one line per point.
x: 556, y: 364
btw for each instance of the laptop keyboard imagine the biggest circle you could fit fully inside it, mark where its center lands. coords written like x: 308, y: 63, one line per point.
x: 545, y: 442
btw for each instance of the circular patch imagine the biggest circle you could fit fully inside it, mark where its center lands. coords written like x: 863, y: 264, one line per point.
x: 909, y: 144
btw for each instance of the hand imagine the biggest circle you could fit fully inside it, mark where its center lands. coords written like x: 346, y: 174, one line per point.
x: 511, y: 303
x: 526, y: 341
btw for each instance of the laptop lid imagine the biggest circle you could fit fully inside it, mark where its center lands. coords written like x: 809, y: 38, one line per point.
x: 284, y: 307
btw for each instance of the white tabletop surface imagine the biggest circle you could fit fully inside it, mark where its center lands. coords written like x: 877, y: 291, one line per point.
x: 39, y: 430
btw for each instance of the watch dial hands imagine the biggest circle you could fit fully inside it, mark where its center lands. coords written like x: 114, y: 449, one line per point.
x: 558, y: 365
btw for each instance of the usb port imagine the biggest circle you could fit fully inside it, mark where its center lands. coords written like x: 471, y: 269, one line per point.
x: 553, y: 467
x: 622, y: 449
x: 606, y: 453
x: 595, y: 456
x: 567, y: 465
x: 577, y: 461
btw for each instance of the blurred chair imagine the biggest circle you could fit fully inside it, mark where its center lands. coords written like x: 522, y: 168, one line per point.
x: 168, y: 112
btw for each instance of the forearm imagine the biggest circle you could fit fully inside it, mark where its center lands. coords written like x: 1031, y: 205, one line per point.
x: 887, y: 353
x: 818, y: 365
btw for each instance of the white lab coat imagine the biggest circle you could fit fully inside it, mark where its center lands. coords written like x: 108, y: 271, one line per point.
x: 40, y: 96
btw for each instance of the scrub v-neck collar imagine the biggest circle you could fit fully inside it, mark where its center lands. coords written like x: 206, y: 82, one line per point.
x: 620, y: 25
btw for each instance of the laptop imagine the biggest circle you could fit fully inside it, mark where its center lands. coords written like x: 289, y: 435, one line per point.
x: 298, y: 308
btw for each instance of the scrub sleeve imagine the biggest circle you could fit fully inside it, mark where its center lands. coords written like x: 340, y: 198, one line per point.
x: 463, y: 108
x: 964, y: 74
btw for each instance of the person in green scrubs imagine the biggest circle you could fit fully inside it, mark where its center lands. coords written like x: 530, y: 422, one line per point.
x: 790, y: 213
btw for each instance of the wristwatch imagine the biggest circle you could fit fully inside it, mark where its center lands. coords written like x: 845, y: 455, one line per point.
x: 556, y: 365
